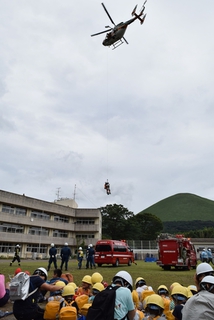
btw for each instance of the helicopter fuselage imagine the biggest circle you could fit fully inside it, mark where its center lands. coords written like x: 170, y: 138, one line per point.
x: 116, y: 34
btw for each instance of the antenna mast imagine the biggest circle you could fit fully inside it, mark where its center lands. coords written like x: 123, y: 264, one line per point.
x: 58, y: 193
x: 74, y: 192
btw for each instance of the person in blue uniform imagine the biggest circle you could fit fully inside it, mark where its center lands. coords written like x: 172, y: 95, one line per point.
x: 52, y: 254
x: 65, y: 255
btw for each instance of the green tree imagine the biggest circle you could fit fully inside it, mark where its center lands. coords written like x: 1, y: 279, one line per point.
x: 115, y: 219
x: 147, y: 226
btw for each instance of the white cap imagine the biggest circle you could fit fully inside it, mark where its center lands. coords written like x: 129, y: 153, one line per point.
x: 80, y: 248
x: 66, y: 244
x: 52, y: 244
x: 203, y: 267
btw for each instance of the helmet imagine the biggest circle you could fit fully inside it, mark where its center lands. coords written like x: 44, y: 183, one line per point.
x: 87, y: 279
x: 189, y: 293
x: 204, y: 267
x: 17, y: 271
x: 155, y: 300
x: 208, y: 279
x: 80, y: 248
x: 52, y: 244
x: 98, y: 286
x: 91, y: 245
x: 18, y: 246
x: 123, y: 275
x: 174, y: 284
x: 60, y: 284
x: 162, y: 289
x: 192, y: 288
x: 66, y: 244
x: 96, y: 277
x: 41, y: 272
x: 68, y: 291
x: 141, y: 280
x: 72, y: 284
x: 179, y: 292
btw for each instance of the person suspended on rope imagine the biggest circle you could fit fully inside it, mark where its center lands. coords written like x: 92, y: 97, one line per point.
x: 107, y: 187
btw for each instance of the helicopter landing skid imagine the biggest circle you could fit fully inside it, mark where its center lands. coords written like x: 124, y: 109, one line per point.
x: 117, y: 44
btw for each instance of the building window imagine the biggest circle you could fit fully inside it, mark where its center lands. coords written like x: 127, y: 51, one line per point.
x: 85, y: 221
x: 40, y: 215
x: 37, y: 248
x: 14, y: 210
x: 84, y: 236
x: 12, y: 228
x: 61, y: 219
x: 7, y: 247
x: 60, y: 234
x: 38, y: 231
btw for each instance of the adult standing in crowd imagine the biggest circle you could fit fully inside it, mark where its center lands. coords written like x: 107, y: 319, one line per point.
x: 29, y: 309
x: 52, y: 254
x: 204, y: 256
x: 16, y: 255
x: 65, y: 255
x: 80, y: 257
x: 90, y: 257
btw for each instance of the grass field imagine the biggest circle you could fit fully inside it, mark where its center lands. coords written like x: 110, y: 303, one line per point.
x: 153, y: 274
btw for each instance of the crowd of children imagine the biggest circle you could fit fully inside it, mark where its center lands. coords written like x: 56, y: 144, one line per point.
x: 174, y: 303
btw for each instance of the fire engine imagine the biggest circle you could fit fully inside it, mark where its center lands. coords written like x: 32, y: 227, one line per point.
x: 176, y: 251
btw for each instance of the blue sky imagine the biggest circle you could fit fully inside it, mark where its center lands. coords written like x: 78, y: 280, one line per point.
x: 75, y: 113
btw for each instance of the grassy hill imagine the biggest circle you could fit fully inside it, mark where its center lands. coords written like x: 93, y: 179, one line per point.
x: 183, y: 207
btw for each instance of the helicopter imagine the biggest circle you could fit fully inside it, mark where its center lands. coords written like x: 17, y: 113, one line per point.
x: 116, y: 35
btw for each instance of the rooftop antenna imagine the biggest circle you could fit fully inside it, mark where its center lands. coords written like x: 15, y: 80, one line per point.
x: 58, y: 193
x: 74, y: 192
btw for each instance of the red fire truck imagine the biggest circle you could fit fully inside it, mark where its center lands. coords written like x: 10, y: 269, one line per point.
x: 113, y: 252
x: 176, y: 251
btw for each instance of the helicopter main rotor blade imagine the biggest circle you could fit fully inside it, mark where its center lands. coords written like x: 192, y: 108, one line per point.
x: 108, y: 13
x: 96, y: 34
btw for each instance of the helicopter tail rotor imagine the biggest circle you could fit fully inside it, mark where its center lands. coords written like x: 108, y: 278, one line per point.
x: 133, y: 12
x: 138, y: 16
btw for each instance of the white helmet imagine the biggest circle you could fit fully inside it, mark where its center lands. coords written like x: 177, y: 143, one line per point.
x: 17, y: 245
x: 123, y: 275
x: 91, y: 245
x: 66, y: 244
x: 204, y: 267
x: 80, y: 248
x: 208, y: 279
x: 52, y: 244
x: 42, y: 272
